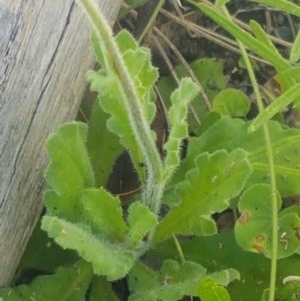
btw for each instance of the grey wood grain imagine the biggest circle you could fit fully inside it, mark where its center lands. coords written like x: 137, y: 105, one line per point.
x: 44, y: 55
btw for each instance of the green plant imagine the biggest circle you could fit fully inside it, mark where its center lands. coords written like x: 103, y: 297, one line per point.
x: 268, y: 244
x: 166, y: 241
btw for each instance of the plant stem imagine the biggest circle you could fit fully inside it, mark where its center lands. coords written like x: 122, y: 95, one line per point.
x: 151, y: 20
x: 179, y: 249
x: 271, y: 167
x: 139, y: 125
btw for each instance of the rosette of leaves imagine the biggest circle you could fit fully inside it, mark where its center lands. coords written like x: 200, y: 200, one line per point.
x: 83, y: 216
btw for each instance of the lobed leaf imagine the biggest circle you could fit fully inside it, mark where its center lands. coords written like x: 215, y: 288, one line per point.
x: 170, y: 284
x: 207, y: 188
x: 113, y: 101
x: 70, y: 167
x: 177, y: 115
x: 141, y: 220
x: 105, y: 212
x: 111, y: 260
x: 224, y: 277
x: 218, y: 251
x: 102, y: 145
x: 126, y: 41
x: 229, y: 134
x: 209, y: 72
x: 66, y: 284
x: 69, y: 171
x: 135, y: 60
x: 127, y: 44
x: 209, y: 290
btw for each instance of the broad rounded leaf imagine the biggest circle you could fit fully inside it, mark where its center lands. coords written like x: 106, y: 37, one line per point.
x: 254, y: 227
x: 253, y: 230
x: 288, y: 234
x: 231, y: 102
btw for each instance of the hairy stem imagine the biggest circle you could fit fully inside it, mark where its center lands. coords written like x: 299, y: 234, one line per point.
x: 139, y: 125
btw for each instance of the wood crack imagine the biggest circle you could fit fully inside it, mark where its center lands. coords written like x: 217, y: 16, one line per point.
x: 45, y: 82
x: 51, y: 62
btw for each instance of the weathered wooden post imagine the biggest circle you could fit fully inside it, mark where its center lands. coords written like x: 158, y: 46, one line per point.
x: 44, y: 55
